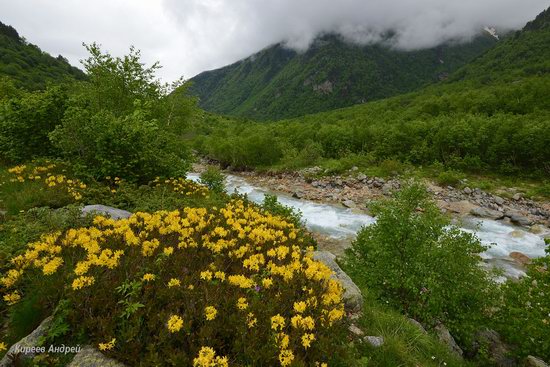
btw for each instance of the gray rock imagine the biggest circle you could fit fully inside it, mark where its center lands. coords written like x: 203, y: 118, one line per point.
x: 298, y: 195
x: 518, y: 218
x: 106, y: 210
x: 492, y: 343
x: 353, y: 298
x: 354, y: 168
x: 355, y: 330
x: 418, y: 325
x: 375, y: 341
x: 517, y: 196
x: 532, y: 361
x: 29, y: 341
x: 486, y: 213
x: 91, y: 357
x: 467, y: 190
x: 446, y: 338
x: 349, y: 204
x: 361, y: 177
x: 498, y: 200
x: 387, y: 189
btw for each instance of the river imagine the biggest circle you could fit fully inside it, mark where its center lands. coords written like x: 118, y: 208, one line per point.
x: 342, y: 224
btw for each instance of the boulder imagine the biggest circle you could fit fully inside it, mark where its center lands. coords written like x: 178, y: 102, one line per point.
x: 387, y: 189
x: 375, y: 341
x: 467, y: 191
x: 298, y: 195
x: 355, y: 330
x: 22, y: 350
x: 418, y: 325
x: 493, y: 345
x: 353, y: 298
x: 91, y: 357
x: 361, y: 177
x: 520, y: 258
x: 518, y: 218
x: 532, y: 361
x: 498, y: 200
x: 517, y: 196
x: 446, y: 338
x: 107, y: 211
x: 486, y: 213
x: 349, y: 204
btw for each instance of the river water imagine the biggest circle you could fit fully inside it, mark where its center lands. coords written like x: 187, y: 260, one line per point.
x: 339, y: 223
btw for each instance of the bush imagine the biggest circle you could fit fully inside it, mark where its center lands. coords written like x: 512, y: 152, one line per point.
x: 167, y: 288
x: 412, y: 259
x: 272, y: 205
x: 524, y: 317
x: 449, y: 178
x: 213, y: 179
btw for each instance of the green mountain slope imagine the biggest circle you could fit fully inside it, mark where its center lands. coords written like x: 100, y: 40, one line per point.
x: 277, y: 83
x: 493, y: 115
x: 29, y: 66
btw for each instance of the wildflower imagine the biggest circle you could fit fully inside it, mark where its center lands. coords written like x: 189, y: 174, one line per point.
x: 175, y: 323
x: 282, y: 340
x: 174, y: 283
x: 267, y: 283
x: 207, y: 358
x: 300, y: 307
x: 12, y: 298
x: 51, y: 266
x: 220, y: 275
x: 251, y: 321
x: 206, y: 275
x: 148, y: 277
x: 286, y: 357
x: 210, y: 313
x: 190, y: 287
x: 307, y: 339
x: 277, y: 322
x: 242, y: 304
x: 82, y: 282
x: 3, y: 346
x: 241, y: 281
x: 168, y: 251
x: 107, y: 346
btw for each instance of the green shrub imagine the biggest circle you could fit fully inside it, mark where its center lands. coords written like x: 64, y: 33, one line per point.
x: 524, y: 316
x: 449, y: 178
x: 412, y: 259
x: 272, y: 205
x: 213, y: 179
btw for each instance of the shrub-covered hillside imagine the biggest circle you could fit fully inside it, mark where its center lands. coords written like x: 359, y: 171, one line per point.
x: 333, y: 73
x: 29, y: 66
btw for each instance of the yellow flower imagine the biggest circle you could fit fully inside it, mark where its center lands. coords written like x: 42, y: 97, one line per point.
x: 175, y: 323
x: 174, y: 283
x: 277, y: 322
x: 206, y: 275
x: 107, y: 346
x: 3, y: 346
x: 242, y: 304
x: 251, y: 321
x: 168, y: 251
x: 148, y: 277
x: 12, y: 298
x: 267, y: 283
x: 190, y: 287
x: 207, y: 358
x: 300, y: 307
x: 286, y: 357
x: 307, y: 339
x: 82, y: 282
x: 51, y: 266
x: 241, y: 281
x: 210, y: 313
x: 220, y: 275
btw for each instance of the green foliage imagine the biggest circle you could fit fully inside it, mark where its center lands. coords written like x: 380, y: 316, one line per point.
x: 30, y: 67
x: 213, y: 179
x: 333, y: 73
x: 112, y: 126
x: 524, y: 317
x: 412, y: 259
x: 449, y: 178
x: 26, y: 121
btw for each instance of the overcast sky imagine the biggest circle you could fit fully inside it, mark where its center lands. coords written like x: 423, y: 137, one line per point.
x: 190, y: 36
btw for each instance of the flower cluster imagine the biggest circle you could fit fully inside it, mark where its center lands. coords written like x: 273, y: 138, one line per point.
x: 213, y: 276
x: 182, y: 186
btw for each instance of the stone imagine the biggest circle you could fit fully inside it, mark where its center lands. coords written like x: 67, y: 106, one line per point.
x: 418, y: 325
x: 498, y: 200
x: 298, y: 194
x: 355, y: 330
x: 520, y: 258
x: 446, y: 338
x: 354, y: 168
x: 517, y: 196
x: 518, y: 218
x: 467, y: 190
x: 493, y: 345
x: 387, y: 189
x: 353, y: 298
x: 114, y: 213
x: 361, y: 177
x: 91, y: 357
x: 29, y: 341
x: 537, y: 229
x: 532, y: 361
x: 349, y: 204
x: 486, y: 213
x: 375, y: 341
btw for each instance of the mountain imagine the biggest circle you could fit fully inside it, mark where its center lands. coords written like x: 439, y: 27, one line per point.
x: 29, y: 66
x: 278, y: 82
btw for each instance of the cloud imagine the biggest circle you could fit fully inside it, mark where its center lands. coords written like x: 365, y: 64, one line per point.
x: 190, y: 36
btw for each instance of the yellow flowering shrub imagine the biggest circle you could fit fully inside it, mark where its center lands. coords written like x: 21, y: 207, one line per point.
x: 191, y: 287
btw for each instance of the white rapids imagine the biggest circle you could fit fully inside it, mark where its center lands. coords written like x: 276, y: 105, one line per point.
x: 341, y: 223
